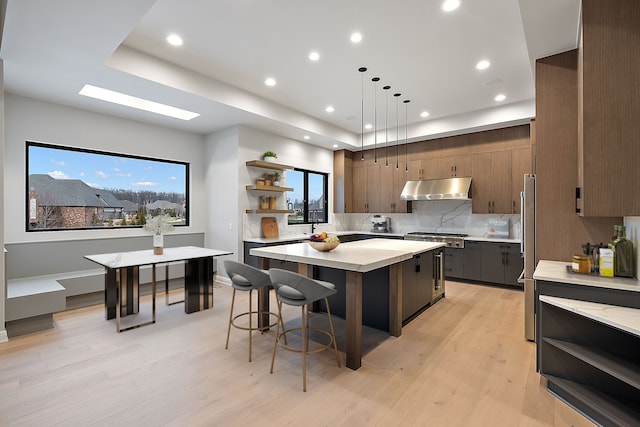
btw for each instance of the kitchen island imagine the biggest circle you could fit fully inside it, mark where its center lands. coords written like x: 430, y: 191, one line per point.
x: 588, y: 341
x: 355, y: 258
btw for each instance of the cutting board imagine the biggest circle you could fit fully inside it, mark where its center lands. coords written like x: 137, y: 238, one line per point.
x: 269, y: 227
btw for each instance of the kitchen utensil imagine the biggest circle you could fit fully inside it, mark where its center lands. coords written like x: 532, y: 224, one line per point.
x: 269, y: 227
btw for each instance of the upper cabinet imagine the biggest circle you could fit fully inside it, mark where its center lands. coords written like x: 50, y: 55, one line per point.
x: 608, y: 109
x: 496, y: 160
x: 491, y: 183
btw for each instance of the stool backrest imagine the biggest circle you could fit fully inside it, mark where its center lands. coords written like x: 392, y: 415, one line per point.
x: 312, y: 290
x: 257, y: 277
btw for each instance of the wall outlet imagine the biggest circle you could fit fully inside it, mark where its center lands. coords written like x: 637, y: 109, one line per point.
x: 230, y: 226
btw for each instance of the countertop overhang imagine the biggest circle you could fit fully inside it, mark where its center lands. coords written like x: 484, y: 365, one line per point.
x: 361, y: 256
x: 556, y: 271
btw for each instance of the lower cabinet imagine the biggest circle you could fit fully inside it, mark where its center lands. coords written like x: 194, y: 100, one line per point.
x: 583, y: 350
x: 454, y: 262
x: 490, y: 262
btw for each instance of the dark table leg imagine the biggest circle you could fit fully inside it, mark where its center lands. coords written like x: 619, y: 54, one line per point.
x: 198, y: 284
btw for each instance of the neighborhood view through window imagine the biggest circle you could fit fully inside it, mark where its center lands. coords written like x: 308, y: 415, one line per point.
x: 72, y: 188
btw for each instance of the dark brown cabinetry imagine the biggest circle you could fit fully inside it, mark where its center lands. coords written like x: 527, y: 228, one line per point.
x: 496, y: 160
x: 608, y: 108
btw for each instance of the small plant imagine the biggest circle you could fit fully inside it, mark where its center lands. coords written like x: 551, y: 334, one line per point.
x: 270, y: 154
x: 276, y: 176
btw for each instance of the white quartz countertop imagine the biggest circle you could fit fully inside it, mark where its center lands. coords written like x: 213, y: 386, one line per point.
x: 362, y: 256
x: 146, y: 257
x: 623, y: 318
x: 556, y: 271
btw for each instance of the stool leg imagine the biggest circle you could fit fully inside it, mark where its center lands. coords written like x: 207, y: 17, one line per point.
x: 333, y: 335
x: 305, y: 344
x: 275, y: 341
x: 233, y: 299
x: 250, y: 324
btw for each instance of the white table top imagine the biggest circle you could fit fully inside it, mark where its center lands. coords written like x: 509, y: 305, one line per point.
x: 556, y: 271
x: 146, y: 257
x: 624, y: 318
x: 362, y: 255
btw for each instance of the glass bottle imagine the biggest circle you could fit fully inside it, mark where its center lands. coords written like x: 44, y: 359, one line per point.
x: 623, y: 265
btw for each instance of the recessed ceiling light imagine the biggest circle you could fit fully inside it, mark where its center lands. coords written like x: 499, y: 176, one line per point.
x: 424, y: 114
x: 483, y: 65
x: 306, y: 137
x: 314, y: 56
x: 174, y: 40
x: 270, y: 82
x: 368, y: 126
x: 356, y: 38
x: 500, y: 97
x: 450, y: 5
x: 134, y: 102
x: 329, y: 109
x: 335, y: 145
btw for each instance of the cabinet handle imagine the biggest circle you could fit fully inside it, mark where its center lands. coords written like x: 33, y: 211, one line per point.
x: 493, y: 207
x: 513, y: 209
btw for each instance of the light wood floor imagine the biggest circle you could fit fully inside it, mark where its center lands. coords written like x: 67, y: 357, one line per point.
x: 463, y: 362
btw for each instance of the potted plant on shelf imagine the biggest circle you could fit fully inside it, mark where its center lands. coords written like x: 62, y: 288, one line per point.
x: 158, y: 226
x: 270, y: 156
x: 276, y: 179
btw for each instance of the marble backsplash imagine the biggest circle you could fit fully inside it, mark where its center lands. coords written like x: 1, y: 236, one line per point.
x: 443, y: 216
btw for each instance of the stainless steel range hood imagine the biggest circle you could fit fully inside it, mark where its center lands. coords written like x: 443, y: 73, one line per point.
x: 437, y: 189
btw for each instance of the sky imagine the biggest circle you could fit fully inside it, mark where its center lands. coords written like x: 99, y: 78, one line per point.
x: 107, y: 171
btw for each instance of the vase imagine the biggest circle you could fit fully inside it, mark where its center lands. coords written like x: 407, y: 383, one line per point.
x: 270, y: 159
x: 158, y: 244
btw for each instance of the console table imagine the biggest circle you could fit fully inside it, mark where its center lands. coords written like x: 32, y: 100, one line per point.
x: 121, y: 283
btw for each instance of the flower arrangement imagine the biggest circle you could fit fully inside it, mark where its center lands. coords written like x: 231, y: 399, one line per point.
x: 158, y: 225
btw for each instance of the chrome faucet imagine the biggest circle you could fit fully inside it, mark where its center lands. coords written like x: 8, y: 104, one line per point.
x: 314, y: 221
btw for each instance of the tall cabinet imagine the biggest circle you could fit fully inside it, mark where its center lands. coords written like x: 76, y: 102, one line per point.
x: 608, y: 108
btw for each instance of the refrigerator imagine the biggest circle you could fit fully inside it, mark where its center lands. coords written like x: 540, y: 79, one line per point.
x: 528, y: 250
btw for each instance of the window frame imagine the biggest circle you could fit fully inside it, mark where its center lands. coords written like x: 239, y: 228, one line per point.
x: 306, y: 220
x: 27, y: 222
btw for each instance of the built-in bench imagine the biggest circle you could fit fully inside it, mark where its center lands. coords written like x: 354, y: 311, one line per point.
x: 31, y: 301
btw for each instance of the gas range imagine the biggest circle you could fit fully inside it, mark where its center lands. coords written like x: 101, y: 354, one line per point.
x: 451, y: 240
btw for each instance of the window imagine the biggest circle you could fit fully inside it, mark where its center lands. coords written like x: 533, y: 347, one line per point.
x: 74, y: 189
x: 308, y: 200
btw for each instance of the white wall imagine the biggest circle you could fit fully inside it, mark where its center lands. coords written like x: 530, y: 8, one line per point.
x: 224, y: 220
x: 253, y: 143
x: 3, y: 331
x: 33, y: 120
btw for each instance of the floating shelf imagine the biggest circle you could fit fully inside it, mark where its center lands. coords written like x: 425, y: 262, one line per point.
x: 254, y: 187
x: 268, y: 165
x: 269, y: 211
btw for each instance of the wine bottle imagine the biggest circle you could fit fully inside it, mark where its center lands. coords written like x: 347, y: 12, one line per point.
x: 623, y: 264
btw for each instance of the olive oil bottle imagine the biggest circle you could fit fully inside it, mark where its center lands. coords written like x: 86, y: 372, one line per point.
x: 623, y: 264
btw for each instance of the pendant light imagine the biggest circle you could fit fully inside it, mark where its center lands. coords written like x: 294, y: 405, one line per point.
x: 375, y: 81
x: 386, y: 124
x: 362, y: 71
x: 397, y: 95
x: 406, y: 135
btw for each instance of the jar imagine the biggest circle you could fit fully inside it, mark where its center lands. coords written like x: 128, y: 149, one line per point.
x: 264, y: 202
x: 272, y: 203
x: 260, y: 182
x: 581, y: 264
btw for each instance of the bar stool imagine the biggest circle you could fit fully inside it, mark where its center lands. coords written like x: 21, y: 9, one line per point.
x: 298, y: 290
x: 246, y: 278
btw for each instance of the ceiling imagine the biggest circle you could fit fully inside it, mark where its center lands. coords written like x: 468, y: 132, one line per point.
x: 52, y: 49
